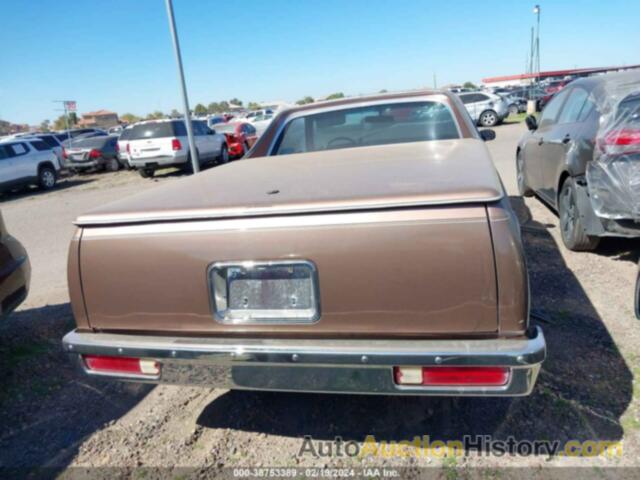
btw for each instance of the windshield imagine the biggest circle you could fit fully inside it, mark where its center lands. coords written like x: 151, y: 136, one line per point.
x: 370, y: 125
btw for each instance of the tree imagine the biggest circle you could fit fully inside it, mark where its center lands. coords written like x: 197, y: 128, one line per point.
x: 213, y: 107
x: 384, y: 90
x: 253, y: 106
x: 129, y: 118
x: 224, y: 106
x: 305, y: 100
x: 335, y: 96
x: 200, y: 109
x: 62, y: 123
x: 235, y: 101
x: 469, y: 85
x: 155, y: 115
x: 175, y: 114
x: 45, y: 125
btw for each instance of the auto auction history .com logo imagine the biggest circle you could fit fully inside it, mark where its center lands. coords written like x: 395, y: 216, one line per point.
x: 423, y: 447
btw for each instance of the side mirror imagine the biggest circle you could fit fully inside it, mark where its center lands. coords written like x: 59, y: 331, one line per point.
x: 637, y: 299
x: 532, y: 123
x: 487, y: 134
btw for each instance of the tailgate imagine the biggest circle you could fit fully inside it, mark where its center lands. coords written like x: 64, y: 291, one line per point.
x: 404, y: 272
x: 149, y: 148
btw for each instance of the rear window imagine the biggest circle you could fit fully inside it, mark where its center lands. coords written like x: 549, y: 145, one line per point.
x: 629, y: 111
x: 158, y: 130
x: 370, y: 125
x: 40, y: 145
x: 49, y: 140
x: 91, y: 142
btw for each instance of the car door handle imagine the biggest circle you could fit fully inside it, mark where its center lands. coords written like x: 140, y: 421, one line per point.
x: 566, y: 139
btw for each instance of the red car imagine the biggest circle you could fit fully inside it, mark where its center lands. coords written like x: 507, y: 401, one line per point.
x: 240, y: 137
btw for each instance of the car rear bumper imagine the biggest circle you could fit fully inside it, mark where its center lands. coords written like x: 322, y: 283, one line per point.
x: 319, y: 365
x: 85, y: 163
x: 159, y: 161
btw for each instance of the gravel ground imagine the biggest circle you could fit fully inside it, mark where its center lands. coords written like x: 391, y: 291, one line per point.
x: 55, y: 418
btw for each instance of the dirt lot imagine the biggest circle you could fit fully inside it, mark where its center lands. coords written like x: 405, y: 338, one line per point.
x: 53, y: 417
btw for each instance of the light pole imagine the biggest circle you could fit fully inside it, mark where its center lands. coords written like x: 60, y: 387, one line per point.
x: 536, y: 10
x: 534, y: 62
x: 185, y: 100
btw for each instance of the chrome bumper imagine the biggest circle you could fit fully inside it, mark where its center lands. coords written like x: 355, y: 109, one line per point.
x: 320, y: 365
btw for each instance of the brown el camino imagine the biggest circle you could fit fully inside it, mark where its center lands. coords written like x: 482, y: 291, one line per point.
x: 364, y: 246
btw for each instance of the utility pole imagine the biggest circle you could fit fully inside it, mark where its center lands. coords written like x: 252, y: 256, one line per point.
x: 185, y: 100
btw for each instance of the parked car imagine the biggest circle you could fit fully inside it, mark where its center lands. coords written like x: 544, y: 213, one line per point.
x: 515, y: 104
x: 215, y: 120
x: 27, y: 161
x: 550, y: 90
x: 163, y: 143
x: 364, y: 245
x: 92, y: 153
x: 16, y: 272
x: 485, y: 109
x: 52, y: 142
x: 261, y: 123
x: 259, y: 114
x: 240, y: 137
x: 582, y: 158
x: 82, y: 131
x: 123, y: 146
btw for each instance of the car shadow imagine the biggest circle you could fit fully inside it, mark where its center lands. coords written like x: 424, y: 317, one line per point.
x: 583, y: 389
x: 23, y: 192
x: 618, y: 248
x: 47, y: 407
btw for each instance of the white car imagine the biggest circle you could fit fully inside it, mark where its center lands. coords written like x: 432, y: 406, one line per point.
x: 50, y: 139
x: 261, y: 122
x: 159, y: 144
x: 27, y: 161
x: 258, y: 114
x: 485, y: 109
x: 123, y: 146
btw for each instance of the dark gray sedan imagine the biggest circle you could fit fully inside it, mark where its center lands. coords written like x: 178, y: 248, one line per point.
x: 582, y: 158
x: 92, y: 153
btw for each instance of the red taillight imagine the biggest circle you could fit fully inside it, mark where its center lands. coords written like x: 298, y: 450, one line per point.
x: 621, y: 141
x: 128, y: 148
x: 452, y: 376
x: 124, y: 365
x: 231, y: 138
x: 64, y: 153
x: 95, y: 153
x: 176, y: 145
x: 117, y: 148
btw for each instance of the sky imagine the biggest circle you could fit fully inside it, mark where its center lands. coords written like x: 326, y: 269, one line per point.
x: 117, y: 54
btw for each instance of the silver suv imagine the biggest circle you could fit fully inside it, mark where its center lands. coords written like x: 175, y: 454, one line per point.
x: 485, y: 109
x: 163, y: 143
x: 27, y: 161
